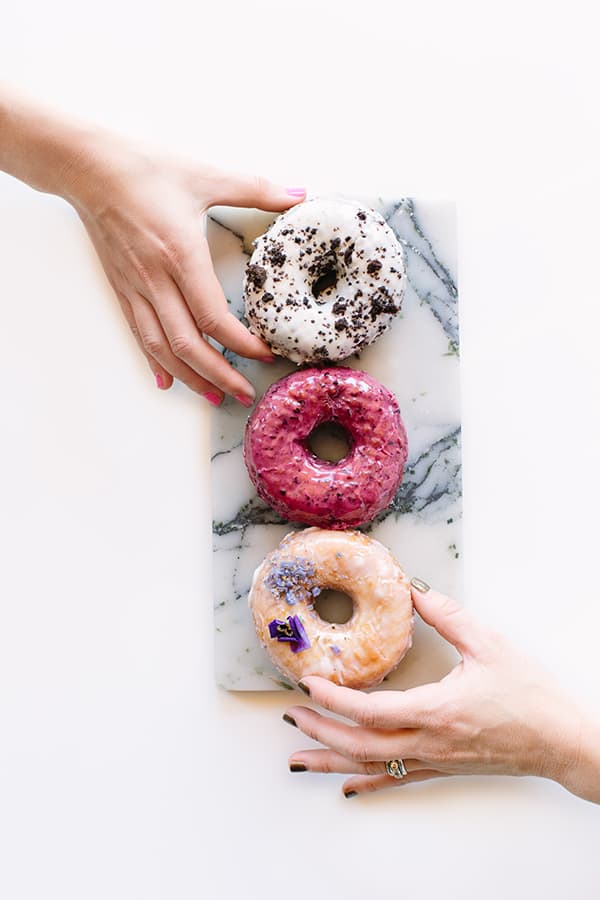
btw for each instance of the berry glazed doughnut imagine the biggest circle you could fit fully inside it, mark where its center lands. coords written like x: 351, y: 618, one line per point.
x: 358, y: 653
x: 299, y: 485
x: 324, y: 281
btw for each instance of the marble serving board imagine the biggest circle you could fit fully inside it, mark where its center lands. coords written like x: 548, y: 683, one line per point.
x: 418, y: 359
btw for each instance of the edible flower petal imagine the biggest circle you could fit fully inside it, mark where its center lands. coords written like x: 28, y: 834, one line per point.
x: 291, y: 631
x: 302, y: 642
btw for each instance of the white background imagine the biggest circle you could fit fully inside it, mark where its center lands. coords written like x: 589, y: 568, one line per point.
x: 124, y: 772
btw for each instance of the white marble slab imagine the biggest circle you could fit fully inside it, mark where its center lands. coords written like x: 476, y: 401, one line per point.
x: 418, y: 360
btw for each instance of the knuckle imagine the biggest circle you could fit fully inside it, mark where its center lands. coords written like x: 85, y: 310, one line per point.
x: 150, y: 342
x: 326, y: 765
x: 323, y: 700
x: 207, y: 321
x: 181, y: 346
x: 358, y: 751
x: 260, y: 185
x: 367, y: 714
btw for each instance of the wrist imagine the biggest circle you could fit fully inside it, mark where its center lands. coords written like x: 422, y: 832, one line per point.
x: 581, y: 771
x: 43, y: 148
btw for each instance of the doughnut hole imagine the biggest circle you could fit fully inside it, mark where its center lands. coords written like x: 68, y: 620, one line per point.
x: 325, y: 274
x: 334, y: 607
x: 329, y: 442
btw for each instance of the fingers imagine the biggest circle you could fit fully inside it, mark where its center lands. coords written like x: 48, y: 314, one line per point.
x: 448, y: 618
x: 155, y: 346
x: 356, y: 743
x: 380, y: 709
x: 163, y: 378
x: 186, y: 343
x: 231, y: 189
x: 204, y: 296
x: 330, y: 761
x: 364, y: 784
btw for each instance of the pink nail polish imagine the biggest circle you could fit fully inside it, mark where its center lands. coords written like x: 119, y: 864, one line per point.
x: 213, y: 399
x: 269, y: 359
x: 245, y: 401
x: 159, y: 381
x: 296, y: 192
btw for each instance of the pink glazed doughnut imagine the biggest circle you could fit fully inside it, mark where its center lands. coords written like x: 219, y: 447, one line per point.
x: 299, y: 485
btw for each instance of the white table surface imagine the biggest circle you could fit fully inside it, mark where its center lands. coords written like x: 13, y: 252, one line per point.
x: 124, y: 772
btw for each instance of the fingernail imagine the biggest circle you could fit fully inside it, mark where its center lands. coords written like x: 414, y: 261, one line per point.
x: 289, y: 720
x: 159, y: 381
x: 245, y: 401
x: 419, y: 585
x: 348, y: 794
x: 297, y: 767
x: 269, y: 359
x: 296, y: 192
x: 304, y: 688
x: 213, y: 399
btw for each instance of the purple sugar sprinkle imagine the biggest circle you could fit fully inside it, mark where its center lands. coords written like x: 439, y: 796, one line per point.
x: 292, y: 631
x: 335, y: 650
x: 292, y: 580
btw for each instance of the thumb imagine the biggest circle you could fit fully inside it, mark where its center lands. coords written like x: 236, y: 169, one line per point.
x: 448, y: 618
x: 254, y: 191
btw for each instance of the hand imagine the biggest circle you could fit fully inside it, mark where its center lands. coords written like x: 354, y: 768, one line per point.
x: 145, y: 218
x: 496, y: 713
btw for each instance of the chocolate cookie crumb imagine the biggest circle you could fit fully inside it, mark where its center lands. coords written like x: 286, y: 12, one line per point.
x: 257, y: 275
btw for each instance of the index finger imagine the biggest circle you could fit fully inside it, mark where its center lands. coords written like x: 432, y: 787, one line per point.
x: 381, y: 709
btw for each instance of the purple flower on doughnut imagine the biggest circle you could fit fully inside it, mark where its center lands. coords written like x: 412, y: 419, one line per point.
x: 291, y: 631
x: 300, y: 486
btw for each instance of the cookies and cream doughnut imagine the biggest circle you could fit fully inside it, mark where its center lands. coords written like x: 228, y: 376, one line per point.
x: 358, y: 653
x: 299, y: 485
x: 324, y: 281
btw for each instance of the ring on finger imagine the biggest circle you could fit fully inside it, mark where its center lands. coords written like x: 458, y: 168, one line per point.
x: 396, y: 768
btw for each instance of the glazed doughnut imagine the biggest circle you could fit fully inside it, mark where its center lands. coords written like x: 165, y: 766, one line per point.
x: 324, y: 281
x: 299, y: 485
x: 358, y: 653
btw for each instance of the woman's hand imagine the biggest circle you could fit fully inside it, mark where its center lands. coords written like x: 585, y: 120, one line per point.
x: 145, y: 217
x: 495, y: 713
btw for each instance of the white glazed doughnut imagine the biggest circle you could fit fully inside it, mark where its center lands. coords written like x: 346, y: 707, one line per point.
x: 358, y: 653
x: 324, y: 281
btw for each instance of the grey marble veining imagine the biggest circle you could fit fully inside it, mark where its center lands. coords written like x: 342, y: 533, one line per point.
x: 418, y: 360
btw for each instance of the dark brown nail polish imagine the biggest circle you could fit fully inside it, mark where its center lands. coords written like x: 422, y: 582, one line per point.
x: 304, y: 688
x: 419, y: 585
x: 297, y: 767
x: 348, y: 794
x: 289, y: 720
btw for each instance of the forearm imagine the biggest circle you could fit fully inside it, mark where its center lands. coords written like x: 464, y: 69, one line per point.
x: 40, y: 146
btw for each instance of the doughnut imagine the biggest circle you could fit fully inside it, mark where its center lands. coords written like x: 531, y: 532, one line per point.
x: 358, y: 653
x: 299, y: 485
x: 324, y: 281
